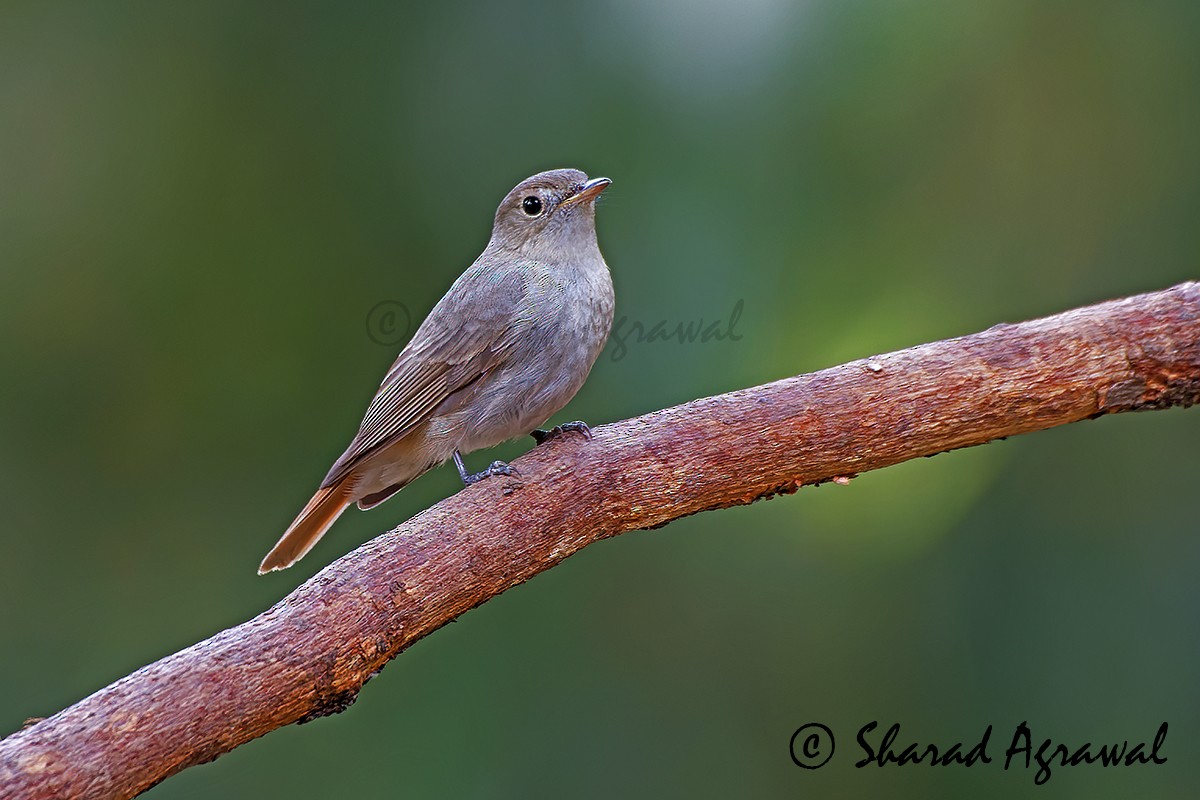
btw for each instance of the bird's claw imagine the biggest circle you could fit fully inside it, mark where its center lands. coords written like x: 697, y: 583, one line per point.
x: 581, y: 428
x: 495, y: 468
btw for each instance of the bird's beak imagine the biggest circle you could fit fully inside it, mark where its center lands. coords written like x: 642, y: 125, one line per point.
x: 589, y: 191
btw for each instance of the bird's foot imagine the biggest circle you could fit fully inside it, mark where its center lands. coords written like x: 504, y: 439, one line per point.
x: 540, y: 436
x: 495, y: 468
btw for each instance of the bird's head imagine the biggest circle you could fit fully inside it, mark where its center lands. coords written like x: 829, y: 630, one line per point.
x: 550, y: 215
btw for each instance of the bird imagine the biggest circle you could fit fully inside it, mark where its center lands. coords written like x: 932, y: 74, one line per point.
x: 508, y: 345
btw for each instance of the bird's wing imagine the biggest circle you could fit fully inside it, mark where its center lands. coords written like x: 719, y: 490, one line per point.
x: 468, y: 333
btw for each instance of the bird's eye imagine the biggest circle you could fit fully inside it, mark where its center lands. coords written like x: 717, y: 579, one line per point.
x: 532, y: 206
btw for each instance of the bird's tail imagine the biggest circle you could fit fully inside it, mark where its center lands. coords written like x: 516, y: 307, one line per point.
x: 307, y: 529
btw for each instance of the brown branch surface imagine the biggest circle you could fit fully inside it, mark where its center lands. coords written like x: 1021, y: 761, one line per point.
x: 309, y: 655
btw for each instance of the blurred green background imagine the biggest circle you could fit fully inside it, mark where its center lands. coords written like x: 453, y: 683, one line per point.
x: 200, y: 204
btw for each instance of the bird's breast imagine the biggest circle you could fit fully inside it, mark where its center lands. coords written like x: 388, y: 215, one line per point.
x: 569, y: 315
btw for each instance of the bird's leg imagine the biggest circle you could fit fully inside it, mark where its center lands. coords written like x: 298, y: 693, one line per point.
x: 495, y: 468
x: 540, y: 436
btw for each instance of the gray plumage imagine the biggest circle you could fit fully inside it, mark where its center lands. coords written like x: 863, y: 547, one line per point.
x: 509, y: 345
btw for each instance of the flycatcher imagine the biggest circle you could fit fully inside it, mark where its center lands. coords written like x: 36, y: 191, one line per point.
x: 509, y: 345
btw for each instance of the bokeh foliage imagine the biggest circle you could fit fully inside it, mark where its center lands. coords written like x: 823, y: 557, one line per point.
x: 200, y: 203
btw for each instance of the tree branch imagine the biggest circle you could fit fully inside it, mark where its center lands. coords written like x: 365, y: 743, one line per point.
x: 309, y: 655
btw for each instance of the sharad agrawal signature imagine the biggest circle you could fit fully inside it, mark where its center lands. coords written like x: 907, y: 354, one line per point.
x: 698, y: 330
x: 813, y: 746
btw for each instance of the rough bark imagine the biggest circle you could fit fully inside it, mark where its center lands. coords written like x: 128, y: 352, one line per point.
x: 309, y: 655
